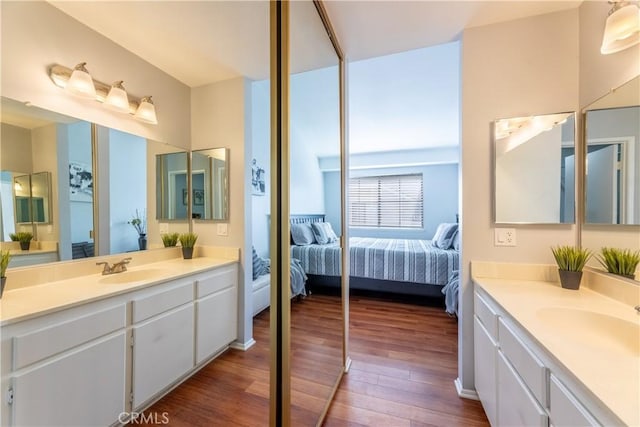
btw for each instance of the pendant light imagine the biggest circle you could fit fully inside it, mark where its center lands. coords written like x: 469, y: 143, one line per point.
x: 146, y: 111
x: 622, y: 28
x: 117, y: 98
x: 80, y: 83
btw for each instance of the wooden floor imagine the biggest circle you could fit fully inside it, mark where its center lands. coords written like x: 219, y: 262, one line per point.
x: 404, y: 364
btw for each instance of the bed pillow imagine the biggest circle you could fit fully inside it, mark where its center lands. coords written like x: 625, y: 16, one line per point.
x: 323, y: 232
x: 456, y: 241
x: 302, y: 234
x: 260, y: 265
x: 445, y: 234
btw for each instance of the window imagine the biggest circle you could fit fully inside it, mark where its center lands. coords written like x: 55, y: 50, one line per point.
x: 391, y: 201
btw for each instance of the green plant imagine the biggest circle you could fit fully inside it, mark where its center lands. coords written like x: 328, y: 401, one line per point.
x: 619, y: 261
x: 21, y: 236
x: 170, y: 239
x: 5, y: 257
x: 188, y: 240
x: 571, y: 258
x: 139, y: 222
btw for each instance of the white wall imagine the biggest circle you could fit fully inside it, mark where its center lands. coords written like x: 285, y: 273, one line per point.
x: 80, y: 213
x: 512, y: 69
x: 221, y: 117
x: 44, y: 152
x: 261, y: 128
x: 15, y: 149
x: 36, y: 35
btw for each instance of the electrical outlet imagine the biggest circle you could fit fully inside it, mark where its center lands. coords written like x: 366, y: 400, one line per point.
x: 222, y: 229
x: 505, y: 237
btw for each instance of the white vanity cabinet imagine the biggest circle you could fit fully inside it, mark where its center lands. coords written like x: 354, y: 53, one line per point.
x: 66, y: 368
x: 95, y: 362
x: 518, y: 382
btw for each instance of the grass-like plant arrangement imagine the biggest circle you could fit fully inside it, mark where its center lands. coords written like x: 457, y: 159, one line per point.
x: 623, y: 262
x: 21, y: 236
x: 188, y: 241
x: 571, y: 260
x: 170, y: 239
x: 5, y: 257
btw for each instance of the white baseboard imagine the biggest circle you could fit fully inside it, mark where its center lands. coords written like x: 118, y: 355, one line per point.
x: 465, y: 393
x: 244, y: 346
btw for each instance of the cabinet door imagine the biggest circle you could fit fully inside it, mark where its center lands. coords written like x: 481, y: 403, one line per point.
x: 516, y: 405
x: 564, y: 407
x: 85, y: 387
x: 162, y: 352
x: 217, y: 322
x: 485, y: 369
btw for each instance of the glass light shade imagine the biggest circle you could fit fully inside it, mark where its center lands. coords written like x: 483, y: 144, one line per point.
x: 622, y: 29
x: 80, y: 83
x: 147, y: 111
x: 117, y: 98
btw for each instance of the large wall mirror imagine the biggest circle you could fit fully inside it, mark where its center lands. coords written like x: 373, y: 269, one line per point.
x: 210, y: 184
x: 171, y: 186
x: 612, y: 171
x: 523, y: 147
x: 76, y: 185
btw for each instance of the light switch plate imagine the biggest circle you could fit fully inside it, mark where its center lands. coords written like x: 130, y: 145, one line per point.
x: 163, y: 227
x: 222, y: 229
x: 505, y: 237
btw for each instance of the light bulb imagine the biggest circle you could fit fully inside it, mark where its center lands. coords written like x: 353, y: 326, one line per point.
x: 147, y: 111
x: 80, y: 83
x: 117, y: 98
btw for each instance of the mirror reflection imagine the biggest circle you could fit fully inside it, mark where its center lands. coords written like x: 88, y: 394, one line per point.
x: 612, y: 184
x: 210, y: 184
x: 171, y: 186
x: 48, y: 176
x: 523, y: 147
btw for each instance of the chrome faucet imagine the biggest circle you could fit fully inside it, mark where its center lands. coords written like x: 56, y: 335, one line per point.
x: 118, y: 267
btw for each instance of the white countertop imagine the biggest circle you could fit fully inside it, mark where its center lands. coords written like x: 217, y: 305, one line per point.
x: 605, y: 366
x: 24, y: 303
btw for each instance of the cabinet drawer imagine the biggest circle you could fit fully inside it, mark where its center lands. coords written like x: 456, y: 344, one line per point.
x: 564, y: 408
x: 216, y: 281
x: 487, y: 316
x: 528, y: 366
x: 146, y: 307
x: 516, y: 405
x: 46, y: 342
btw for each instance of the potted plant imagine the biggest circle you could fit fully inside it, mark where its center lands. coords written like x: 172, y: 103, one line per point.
x: 571, y: 261
x: 622, y: 262
x: 188, y: 241
x: 170, y: 239
x: 24, y: 237
x: 5, y: 257
x: 139, y: 222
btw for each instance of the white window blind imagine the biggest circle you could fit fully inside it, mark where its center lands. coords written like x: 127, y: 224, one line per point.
x: 391, y: 201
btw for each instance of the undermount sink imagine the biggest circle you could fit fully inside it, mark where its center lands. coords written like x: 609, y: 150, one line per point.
x: 590, y: 327
x: 134, y: 276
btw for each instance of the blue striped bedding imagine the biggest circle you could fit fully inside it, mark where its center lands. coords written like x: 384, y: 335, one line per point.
x: 401, y: 260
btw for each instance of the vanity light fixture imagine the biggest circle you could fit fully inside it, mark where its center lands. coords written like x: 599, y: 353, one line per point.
x: 147, y: 111
x: 622, y: 28
x: 117, y: 98
x: 112, y: 96
x: 80, y: 83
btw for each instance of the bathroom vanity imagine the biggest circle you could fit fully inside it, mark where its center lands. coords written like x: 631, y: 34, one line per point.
x: 547, y: 356
x: 91, y: 349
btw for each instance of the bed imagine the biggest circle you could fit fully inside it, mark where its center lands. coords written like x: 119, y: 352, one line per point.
x: 405, y: 266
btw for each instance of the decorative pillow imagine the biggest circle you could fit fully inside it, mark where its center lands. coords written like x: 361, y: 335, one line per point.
x: 260, y: 265
x: 445, y: 234
x: 302, y: 234
x: 324, y: 232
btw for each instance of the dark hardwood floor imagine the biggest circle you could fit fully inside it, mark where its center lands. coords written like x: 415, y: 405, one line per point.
x: 404, y: 363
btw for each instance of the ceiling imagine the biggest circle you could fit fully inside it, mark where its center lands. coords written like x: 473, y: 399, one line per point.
x: 201, y: 42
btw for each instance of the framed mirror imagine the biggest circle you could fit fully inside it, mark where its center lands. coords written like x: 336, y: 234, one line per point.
x: 171, y: 186
x: 523, y: 147
x: 612, y: 158
x: 209, y: 185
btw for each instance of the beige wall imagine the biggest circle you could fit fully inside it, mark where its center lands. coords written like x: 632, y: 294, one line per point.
x: 221, y: 118
x: 15, y: 149
x: 36, y: 35
x: 45, y: 159
x: 513, y: 69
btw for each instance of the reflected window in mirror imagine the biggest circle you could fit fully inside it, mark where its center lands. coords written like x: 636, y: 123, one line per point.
x: 534, y: 169
x: 210, y: 184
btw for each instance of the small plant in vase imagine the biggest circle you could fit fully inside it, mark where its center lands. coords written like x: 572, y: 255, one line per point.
x: 5, y: 257
x: 24, y: 237
x: 139, y: 222
x: 170, y: 239
x: 188, y: 241
x: 622, y: 262
x: 571, y: 261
